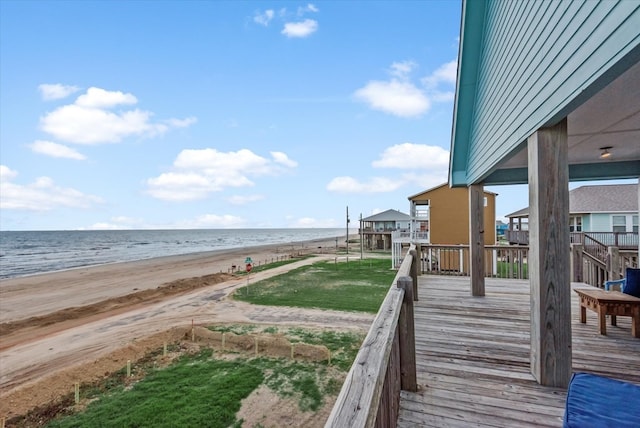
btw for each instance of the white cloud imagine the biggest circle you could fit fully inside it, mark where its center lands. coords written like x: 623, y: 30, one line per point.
x: 401, y: 97
x: 431, y: 161
x: 213, y: 220
x: 181, y: 123
x: 374, y: 185
x: 100, y: 98
x: 55, y: 150
x: 442, y: 97
x: 308, y: 8
x: 310, y: 222
x: 198, y: 172
x: 401, y: 70
x: 56, y: 91
x: 446, y: 73
x: 396, y: 97
x: 7, y: 173
x: 105, y: 226
x: 263, y: 18
x: 89, y: 120
x: 283, y: 159
x: 413, y: 156
x: 119, y: 223
x: 41, y: 195
x: 300, y: 29
x: 426, y: 180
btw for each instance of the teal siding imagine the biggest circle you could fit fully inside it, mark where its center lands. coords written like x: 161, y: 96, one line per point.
x: 586, y: 223
x: 600, y: 223
x: 536, y: 62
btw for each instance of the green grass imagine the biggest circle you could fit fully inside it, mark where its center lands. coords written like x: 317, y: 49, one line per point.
x: 196, y: 391
x: 200, y: 390
x: 503, y: 270
x: 354, y: 286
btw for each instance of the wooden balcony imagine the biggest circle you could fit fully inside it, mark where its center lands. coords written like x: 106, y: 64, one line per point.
x: 473, y: 357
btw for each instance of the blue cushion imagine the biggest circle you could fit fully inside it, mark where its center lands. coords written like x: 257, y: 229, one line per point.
x: 632, y: 282
x: 596, y: 401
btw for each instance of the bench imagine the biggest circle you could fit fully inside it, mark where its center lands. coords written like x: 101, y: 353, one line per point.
x: 596, y: 401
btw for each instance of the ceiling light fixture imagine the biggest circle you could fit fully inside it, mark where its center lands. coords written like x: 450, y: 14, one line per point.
x: 605, y: 152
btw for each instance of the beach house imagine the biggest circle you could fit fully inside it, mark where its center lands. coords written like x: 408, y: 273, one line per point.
x: 440, y: 215
x: 607, y: 212
x: 546, y: 93
x: 376, y: 230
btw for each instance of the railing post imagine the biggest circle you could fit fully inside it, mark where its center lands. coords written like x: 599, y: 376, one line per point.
x: 406, y: 330
x: 414, y: 272
x: 577, y: 265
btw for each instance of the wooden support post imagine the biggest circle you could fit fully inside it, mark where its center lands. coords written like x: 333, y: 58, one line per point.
x: 614, y: 265
x: 549, y: 269
x: 414, y: 272
x: 577, y: 264
x: 476, y: 239
x: 406, y: 330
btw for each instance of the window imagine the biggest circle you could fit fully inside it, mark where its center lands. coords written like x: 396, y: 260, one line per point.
x: 619, y: 223
x: 575, y: 223
x: 635, y: 224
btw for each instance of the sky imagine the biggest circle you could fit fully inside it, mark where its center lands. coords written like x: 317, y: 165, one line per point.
x: 223, y: 114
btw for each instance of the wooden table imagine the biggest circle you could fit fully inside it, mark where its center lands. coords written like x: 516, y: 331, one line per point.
x: 612, y: 303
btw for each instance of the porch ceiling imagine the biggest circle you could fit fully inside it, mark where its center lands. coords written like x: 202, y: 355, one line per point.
x: 611, y: 118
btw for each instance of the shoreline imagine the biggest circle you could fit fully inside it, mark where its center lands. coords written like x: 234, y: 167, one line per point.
x: 40, y: 294
x: 258, y: 247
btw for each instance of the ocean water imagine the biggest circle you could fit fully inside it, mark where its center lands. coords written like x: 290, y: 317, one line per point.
x: 33, y: 252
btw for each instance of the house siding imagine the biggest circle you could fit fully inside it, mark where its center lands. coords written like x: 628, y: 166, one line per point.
x: 449, y: 216
x: 533, y: 68
x: 600, y: 223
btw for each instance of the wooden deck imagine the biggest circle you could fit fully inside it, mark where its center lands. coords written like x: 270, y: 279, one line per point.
x: 473, y: 357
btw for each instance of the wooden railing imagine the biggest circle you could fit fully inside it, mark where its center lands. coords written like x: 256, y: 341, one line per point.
x: 517, y: 236
x: 501, y: 261
x: 622, y: 240
x: 386, y: 362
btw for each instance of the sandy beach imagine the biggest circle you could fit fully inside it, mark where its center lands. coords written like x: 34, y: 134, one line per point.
x: 57, y: 327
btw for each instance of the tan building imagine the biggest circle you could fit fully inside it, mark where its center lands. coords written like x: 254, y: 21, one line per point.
x: 441, y: 216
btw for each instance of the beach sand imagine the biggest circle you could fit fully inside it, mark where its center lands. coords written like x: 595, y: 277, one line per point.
x: 72, y: 326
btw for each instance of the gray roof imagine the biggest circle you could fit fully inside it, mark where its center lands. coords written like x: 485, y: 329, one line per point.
x: 604, y: 198
x: 388, y: 215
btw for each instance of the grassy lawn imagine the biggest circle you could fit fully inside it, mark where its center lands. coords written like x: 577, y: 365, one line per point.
x: 202, y: 390
x: 503, y: 270
x: 359, y: 285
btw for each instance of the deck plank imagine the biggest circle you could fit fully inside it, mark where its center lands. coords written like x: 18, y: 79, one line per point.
x: 473, y: 357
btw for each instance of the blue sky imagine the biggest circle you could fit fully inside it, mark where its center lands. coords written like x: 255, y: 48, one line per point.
x: 214, y: 114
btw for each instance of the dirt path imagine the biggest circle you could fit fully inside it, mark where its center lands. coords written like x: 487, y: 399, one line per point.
x: 30, y: 355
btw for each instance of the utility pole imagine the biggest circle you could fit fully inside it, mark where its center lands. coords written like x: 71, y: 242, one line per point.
x: 361, y: 236
x: 347, y: 230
